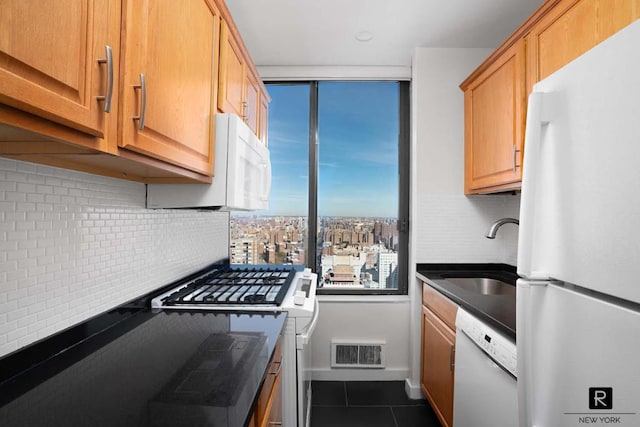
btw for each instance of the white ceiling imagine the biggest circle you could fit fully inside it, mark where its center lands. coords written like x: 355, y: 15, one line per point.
x: 322, y: 32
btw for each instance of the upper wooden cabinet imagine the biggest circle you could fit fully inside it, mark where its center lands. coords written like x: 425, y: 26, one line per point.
x: 252, y: 102
x: 162, y: 75
x: 264, y: 119
x: 169, y: 81
x: 240, y: 91
x: 233, y: 72
x: 53, y: 60
x: 571, y: 28
x: 496, y: 92
x: 494, y: 105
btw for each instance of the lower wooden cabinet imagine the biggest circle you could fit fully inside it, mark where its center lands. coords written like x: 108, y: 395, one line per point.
x: 268, y: 409
x: 438, y: 353
x: 273, y: 413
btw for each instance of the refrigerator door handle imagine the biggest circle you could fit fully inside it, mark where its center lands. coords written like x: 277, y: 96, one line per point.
x: 523, y: 369
x: 525, y: 318
x: 539, y: 113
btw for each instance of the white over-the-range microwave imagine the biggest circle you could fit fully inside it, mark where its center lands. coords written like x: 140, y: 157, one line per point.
x: 242, y: 174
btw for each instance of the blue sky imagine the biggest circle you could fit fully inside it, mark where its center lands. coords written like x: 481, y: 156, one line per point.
x: 358, y: 139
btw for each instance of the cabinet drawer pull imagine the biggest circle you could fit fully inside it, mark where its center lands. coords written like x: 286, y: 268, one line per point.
x: 275, y: 423
x: 143, y: 101
x: 277, y: 371
x: 452, y: 358
x: 109, y: 61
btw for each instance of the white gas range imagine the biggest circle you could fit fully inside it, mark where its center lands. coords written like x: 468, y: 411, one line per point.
x: 263, y: 288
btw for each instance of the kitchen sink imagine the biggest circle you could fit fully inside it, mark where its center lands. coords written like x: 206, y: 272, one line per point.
x: 482, y: 285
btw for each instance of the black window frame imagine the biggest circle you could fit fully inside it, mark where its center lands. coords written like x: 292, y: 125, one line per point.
x: 404, y: 136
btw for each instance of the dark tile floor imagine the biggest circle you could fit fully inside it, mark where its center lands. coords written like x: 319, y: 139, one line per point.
x: 367, y: 404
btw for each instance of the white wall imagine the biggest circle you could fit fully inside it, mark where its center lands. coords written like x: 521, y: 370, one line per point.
x: 73, y: 245
x: 446, y: 225
x: 352, y: 320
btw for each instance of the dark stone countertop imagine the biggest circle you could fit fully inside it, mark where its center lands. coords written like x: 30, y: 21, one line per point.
x: 135, y: 367
x: 498, y: 311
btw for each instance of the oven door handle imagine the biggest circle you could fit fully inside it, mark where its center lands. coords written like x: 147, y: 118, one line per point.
x: 303, y: 338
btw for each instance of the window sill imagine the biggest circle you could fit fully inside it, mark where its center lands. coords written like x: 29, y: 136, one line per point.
x: 369, y: 299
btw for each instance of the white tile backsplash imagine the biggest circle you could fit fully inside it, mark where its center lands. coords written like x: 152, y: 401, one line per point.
x: 448, y: 226
x: 73, y: 245
x: 451, y: 229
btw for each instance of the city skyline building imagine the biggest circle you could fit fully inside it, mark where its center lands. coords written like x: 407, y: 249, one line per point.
x: 340, y: 271
x: 388, y: 270
x: 243, y: 251
x: 353, y: 252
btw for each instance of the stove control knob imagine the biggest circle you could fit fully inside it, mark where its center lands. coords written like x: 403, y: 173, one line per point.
x: 299, y: 297
x: 306, y: 272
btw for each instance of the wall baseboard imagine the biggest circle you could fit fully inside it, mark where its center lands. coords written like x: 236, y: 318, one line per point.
x: 399, y: 374
x: 413, y: 391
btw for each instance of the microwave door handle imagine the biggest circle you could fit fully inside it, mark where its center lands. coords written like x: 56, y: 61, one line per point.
x: 267, y: 183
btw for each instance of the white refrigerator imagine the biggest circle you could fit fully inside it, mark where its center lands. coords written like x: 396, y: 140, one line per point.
x: 578, y: 302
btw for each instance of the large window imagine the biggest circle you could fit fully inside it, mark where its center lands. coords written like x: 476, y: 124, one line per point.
x: 339, y: 200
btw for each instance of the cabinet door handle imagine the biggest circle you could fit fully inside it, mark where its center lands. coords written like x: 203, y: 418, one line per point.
x: 143, y: 102
x: 514, y: 151
x: 452, y: 358
x: 109, y: 61
x: 245, y: 108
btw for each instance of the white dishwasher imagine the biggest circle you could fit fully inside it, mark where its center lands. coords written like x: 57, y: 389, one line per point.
x: 485, y: 391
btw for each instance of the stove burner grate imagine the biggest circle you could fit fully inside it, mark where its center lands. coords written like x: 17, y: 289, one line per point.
x: 228, y: 286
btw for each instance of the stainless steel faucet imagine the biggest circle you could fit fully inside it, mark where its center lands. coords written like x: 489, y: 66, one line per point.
x: 491, y: 234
